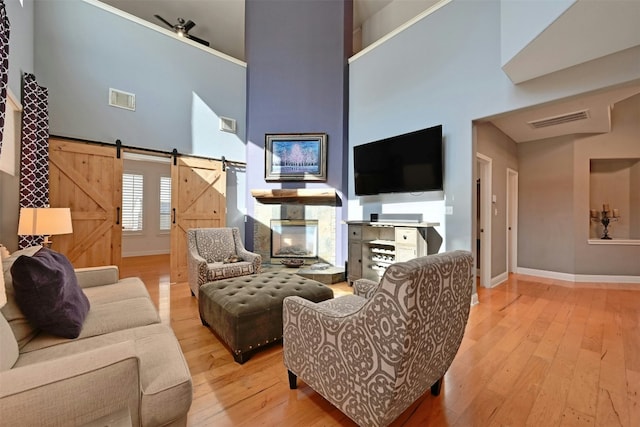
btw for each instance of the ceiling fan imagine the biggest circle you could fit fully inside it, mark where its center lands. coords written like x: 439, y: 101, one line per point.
x: 182, y: 28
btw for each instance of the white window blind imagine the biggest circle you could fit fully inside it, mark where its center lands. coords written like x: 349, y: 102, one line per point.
x: 165, y: 203
x: 132, y: 202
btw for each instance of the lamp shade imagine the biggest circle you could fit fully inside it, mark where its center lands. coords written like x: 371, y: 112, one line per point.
x: 3, y: 292
x: 44, y: 221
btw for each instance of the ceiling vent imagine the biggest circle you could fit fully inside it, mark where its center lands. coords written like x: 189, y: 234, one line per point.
x: 120, y: 99
x: 559, y: 120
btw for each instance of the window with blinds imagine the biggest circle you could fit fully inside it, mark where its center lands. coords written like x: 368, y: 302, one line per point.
x: 165, y: 203
x: 132, y: 200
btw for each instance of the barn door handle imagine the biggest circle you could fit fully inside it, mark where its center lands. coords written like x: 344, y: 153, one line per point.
x: 174, y: 215
x: 118, y: 215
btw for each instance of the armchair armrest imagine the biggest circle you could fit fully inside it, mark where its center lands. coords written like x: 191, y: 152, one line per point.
x: 97, y: 276
x: 253, y: 258
x: 364, y: 288
x: 78, y: 388
x: 297, y: 304
x: 196, y: 270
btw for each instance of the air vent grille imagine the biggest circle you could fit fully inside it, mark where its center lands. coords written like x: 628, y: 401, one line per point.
x: 121, y: 99
x: 559, y: 120
x: 227, y: 125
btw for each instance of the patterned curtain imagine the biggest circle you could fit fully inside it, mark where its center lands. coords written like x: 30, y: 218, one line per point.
x: 4, y: 65
x: 34, y: 161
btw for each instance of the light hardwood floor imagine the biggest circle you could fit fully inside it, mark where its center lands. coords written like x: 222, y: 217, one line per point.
x: 536, y: 352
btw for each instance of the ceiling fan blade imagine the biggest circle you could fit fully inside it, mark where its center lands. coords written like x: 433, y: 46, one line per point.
x: 167, y: 23
x: 196, y: 39
x: 189, y: 25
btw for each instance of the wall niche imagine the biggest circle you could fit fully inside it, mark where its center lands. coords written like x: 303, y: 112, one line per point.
x: 615, y: 183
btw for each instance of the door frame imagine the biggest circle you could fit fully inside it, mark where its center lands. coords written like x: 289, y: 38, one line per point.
x: 485, y: 167
x: 512, y: 221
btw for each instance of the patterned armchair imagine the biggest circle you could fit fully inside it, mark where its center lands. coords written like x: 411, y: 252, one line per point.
x: 373, y: 356
x: 216, y: 254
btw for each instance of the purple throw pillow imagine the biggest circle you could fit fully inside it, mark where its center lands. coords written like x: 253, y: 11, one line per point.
x: 47, y: 292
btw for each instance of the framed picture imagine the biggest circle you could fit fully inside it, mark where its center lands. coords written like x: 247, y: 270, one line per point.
x: 296, y: 157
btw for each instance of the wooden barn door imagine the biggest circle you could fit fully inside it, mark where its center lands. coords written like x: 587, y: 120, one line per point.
x: 198, y: 200
x: 88, y: 179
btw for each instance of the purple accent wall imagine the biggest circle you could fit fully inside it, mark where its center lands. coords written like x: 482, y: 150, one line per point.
x: 297, y: 82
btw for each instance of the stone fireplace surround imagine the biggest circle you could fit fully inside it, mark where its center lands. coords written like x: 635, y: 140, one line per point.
x: 304, y: 204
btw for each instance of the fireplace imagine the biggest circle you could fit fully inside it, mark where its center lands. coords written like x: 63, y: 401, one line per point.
x: 294, y: 238
x: 298, y: 207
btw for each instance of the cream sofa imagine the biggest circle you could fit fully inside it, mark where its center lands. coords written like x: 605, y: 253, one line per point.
x: 124, y: 361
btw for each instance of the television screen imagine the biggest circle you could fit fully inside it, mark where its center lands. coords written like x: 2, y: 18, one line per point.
x: 401, y: 164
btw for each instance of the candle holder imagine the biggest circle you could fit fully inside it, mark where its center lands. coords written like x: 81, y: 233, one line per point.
x: 604, y: 219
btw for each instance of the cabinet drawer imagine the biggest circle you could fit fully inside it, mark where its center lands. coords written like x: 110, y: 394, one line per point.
x: 355, y: 232
x: 406, y: 236
x: 405, y: 253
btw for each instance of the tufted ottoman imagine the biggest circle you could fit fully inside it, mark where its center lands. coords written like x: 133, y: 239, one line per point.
x: 246, y: 312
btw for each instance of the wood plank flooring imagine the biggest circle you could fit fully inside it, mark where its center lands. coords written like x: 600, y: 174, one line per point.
x: 536, y: 352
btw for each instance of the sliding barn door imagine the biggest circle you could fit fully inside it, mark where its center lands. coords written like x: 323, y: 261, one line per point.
x: 198, y: 200
x: 88, y: 179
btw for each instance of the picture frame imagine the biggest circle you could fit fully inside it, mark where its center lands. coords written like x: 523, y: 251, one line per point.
x: 296, y: 157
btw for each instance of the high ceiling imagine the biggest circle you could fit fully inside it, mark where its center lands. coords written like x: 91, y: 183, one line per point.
x: 221, y: 23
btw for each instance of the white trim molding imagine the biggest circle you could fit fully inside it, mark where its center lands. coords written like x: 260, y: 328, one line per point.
x: 613, y: 242
x: 474, y: 299
x: 500, y: 278
x: 586, y: 278
x: 398, y: 30
x: 145, y: 253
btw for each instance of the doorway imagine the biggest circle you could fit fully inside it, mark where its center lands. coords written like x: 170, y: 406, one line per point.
x: 146, y: 204
x: 483, y: 186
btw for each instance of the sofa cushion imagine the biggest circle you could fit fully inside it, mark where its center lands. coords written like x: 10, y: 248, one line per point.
x: 20, y: 326
x: 47, y: 291
x: 128, y: 288
x: 218, y: 270
x: 8, y: 346
x: 164, y: 374
x: 103, y: 319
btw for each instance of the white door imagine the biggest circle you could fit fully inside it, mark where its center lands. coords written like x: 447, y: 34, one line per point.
x: 512, y: 221
x: 484, y: 222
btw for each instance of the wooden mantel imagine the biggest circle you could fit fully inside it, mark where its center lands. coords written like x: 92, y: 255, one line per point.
x: 301, y: 196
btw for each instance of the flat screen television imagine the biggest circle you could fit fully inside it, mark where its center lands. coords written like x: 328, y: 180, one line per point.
x: 400, y: 164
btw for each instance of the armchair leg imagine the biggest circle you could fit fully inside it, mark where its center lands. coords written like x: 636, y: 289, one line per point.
x: 435, y: 388
x: 293, y: 380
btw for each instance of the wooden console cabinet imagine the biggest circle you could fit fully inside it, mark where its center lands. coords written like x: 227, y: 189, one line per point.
x: 373, y: 246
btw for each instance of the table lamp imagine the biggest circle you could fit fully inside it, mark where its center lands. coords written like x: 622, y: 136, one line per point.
x: 44, y: 222
x: 3, y: 293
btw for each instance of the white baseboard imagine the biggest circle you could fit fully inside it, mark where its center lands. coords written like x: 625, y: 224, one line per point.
x: 474, y: 299
x: 587, y: 278
x: 495, y: 281
x: 145, y: 253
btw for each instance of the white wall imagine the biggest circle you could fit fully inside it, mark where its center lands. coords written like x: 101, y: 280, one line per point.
x: 78, y: 51
x: 21, y: 60
x: 446, y: 69
x: 21, y: 20
x: 395, y: 14
x: 523, y: 20
x: 82, y: 50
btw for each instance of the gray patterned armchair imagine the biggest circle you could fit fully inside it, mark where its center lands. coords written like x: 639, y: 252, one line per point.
x: 216, y: 254
x: 374, y: 353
